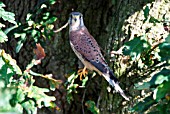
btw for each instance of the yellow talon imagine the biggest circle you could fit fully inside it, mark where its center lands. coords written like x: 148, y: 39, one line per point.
x: 83, y: 72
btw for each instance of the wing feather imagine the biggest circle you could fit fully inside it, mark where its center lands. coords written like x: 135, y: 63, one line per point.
x: 87, y: 46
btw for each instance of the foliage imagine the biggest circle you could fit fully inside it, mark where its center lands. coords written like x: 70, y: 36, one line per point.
x: 92, y: 107
x: 19, y: 84
x: 6, y: 16
x: 72, y: 86
x: 150, y: 58
x: 148, y: 52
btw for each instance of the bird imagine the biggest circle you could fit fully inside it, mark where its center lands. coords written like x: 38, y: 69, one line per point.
x: 88, y: 51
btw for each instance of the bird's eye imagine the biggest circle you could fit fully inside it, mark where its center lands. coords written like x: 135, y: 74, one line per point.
x: 80, y: 16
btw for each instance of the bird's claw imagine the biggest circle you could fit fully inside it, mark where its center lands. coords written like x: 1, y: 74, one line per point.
x: 82, y: 72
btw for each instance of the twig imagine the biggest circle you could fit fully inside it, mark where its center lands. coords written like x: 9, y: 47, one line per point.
x: 98, y: 101
x: 82, y: 105
x: 61, y: 28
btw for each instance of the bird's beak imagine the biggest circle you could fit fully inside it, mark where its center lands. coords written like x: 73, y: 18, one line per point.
x: 75, y: 19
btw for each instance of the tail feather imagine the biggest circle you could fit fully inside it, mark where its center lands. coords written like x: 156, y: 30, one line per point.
x: 115, y: 85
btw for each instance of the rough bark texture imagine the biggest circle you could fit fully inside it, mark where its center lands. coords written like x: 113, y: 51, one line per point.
x: 104, y: 20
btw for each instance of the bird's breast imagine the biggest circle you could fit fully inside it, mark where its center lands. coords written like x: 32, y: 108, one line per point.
x: 82, y: 59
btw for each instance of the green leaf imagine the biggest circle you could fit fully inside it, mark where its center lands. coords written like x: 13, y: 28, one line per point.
x: 8, y: 67
x: 153, y: 20
x: 164, y: 49
x: 39, y: 95
x: 146, y: 13
x: 2, y: 5
x: 92, y: 107
x: 163, y: 75
x: 84, y: 81
x: 10, y: 29
x: 72, y: 77
x: 7, y: 16
x: 162, y: 90
x: 5, y: 96
x: 143, y: 105
x: 135, y: 47
x: 46, y: 15
x: 52, y: 1
x: 167, y: 39
x: 20, y: 42
x: 30, y: 107
x: 19, y: 46
x: 3, y: 37
x: 54, y: 84
x: 145, y: 85
x: 20, y: 95
x: 11, y: 63
x: 159, y: 78
x: 51, y: 20
x: 6, y: 73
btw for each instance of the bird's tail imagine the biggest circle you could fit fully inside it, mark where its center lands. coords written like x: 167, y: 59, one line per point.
x: 114, y: 82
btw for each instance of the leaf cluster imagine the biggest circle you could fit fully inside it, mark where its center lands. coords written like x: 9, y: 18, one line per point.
x: 151, y: 63
x: 23, y: 94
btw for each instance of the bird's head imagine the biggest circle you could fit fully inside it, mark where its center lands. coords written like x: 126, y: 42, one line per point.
x: 75, y: 20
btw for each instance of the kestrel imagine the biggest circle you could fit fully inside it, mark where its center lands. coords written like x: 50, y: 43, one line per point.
x: 88, y: 51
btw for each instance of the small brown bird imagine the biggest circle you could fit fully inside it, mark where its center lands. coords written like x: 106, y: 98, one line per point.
x: 88, y: 51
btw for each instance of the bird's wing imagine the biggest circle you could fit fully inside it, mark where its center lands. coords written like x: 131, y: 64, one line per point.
x: 88, y: 48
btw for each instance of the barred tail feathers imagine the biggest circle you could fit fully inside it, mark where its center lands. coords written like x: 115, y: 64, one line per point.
x: 115, y: 84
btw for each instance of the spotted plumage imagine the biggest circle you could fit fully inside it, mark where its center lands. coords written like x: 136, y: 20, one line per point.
x: 88, y: 51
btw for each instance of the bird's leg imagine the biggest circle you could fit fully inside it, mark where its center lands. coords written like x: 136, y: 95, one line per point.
x: 83, y: 72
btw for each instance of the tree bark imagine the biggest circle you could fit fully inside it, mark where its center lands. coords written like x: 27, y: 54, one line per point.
x: 104, y: 20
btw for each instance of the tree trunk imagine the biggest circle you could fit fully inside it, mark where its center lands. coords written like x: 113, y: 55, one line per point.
x: 104, y: 20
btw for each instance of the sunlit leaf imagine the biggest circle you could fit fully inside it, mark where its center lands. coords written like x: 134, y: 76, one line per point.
x: 2, y: 5
x: 52, y: 1
x: 10, y: 62
x: 8, y: 67
x: 19, y: 46
x: 46, y: 15
x: 21, y: 41
x: 10, y: 29
x: 72, y: 77
x: 34, y: 32
x: 135, y: 47
x: 92, y: 107
x: 51, y: 20
x: 163, y: 75
x: 7, y: 16
x: 158, y: 78
x: 71, y: 86
x: 84, y: 81
x: 3, y: 37
x: 162, y: 90
x: 39, y: 95
x: 30, y: 107
x: 54, y: 84
x: 20, y: 95
x: 5, y: 96
x: 143, y: 105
